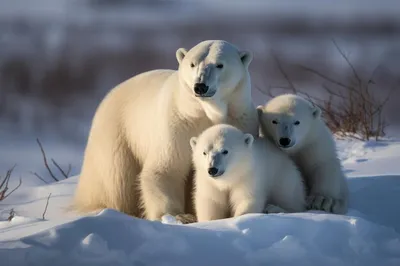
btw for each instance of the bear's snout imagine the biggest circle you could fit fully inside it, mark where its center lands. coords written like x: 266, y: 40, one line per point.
x: 284, y: 142
x: 200, y: 89
x: 214, y: 172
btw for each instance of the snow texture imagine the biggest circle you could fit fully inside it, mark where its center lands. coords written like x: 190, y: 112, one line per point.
x: 368, y: 235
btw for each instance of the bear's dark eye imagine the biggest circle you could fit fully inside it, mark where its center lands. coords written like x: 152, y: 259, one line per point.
x: 191, y: 65
x: 297, y: 123
x: 274, y: 122
x: 224, y: 152
x: 220, y: 66
x: 204, y: 153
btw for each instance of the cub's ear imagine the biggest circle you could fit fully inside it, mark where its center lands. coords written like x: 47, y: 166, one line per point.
x: 246, y: 57
x: 260, y: 111
x: 316, y: 111
x: 248, y: 139
x: 180, y: 54
x: 193, y: 142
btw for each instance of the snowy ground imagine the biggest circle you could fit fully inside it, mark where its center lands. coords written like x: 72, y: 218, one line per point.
x: 368, y: 235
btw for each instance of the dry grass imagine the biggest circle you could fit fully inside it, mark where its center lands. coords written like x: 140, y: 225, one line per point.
x: 4, y: 185
x: 64, y: 173
x: 351, y: 109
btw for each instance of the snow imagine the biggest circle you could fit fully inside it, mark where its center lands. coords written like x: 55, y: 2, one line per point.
x: 368, y: 235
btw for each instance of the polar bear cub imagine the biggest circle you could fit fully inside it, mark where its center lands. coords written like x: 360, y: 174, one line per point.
x: 232, y: 176
x: 295, y: 125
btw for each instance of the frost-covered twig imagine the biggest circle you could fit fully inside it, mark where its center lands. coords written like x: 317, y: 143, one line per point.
x: 11, y: 215
x: 38, y: 176
x: 69, y: 169
x: 45, y: 160
x: 5, y: 196
x: 7, y: 178
x: 4, y: 185
x: 65, y: 174
x: 45, y: 209
x: 59, y: 168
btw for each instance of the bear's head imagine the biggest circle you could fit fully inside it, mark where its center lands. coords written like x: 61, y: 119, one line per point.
x: 212, y: 69
x: 288, y: 119
x: 221, y: 150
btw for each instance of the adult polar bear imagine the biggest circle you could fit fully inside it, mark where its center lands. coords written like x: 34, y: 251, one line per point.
x: 295, y: 125
x: 138, y: 148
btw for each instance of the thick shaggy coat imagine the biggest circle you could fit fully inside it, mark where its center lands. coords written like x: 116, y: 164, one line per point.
x: 138, y: 152
x: 295, y: 125
x: 238, y: 174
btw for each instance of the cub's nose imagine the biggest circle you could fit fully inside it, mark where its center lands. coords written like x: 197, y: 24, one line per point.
x: 212, y: 171
x: 284, y: 141
x: 200, y: 88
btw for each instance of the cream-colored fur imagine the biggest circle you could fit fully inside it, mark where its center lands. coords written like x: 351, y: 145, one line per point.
x: 138, y: 148
x: 251, y: 175
x: 311, y: 146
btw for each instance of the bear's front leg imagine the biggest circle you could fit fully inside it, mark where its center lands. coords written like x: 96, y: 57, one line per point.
x: 248, y: 206
x: 208, y: 209
x: 247, y: 199
x: 270, y: 208
x: 327, y: 204
x: 328, y: 189
x: 163, y: 191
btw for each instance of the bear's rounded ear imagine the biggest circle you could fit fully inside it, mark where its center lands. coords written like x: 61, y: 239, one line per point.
x: 316, y: 111
x: 193, y: 142
x: 260, y: 111
x: 246, y: 57
x: 248, y: 139
x: 180, y: 54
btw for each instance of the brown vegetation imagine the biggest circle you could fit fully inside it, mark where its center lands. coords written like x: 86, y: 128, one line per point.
x: 352, y: 108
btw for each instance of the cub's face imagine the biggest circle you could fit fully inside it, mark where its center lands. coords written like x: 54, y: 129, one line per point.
x: 218, y: 152
x: 287, y: 124
x: 212, y: 69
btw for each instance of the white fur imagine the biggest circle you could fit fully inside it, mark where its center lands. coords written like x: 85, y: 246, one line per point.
x: 138, y: 148
x: 312, y: 147
x: 253, y: 175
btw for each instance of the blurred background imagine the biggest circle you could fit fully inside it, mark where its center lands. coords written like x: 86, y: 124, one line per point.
x: 58, y: 58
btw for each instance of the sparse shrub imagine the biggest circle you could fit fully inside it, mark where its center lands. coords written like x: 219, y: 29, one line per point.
x: 352, y: 108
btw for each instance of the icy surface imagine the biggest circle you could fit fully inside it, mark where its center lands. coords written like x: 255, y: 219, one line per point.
x: 368, y: 235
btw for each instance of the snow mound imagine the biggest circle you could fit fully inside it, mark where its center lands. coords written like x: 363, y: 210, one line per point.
x: 368, y: 235
x: 112, y: 238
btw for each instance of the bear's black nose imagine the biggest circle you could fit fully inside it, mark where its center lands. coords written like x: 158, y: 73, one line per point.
x: 212, y: 171
x: 200, y: 88
x: 284, y: 141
